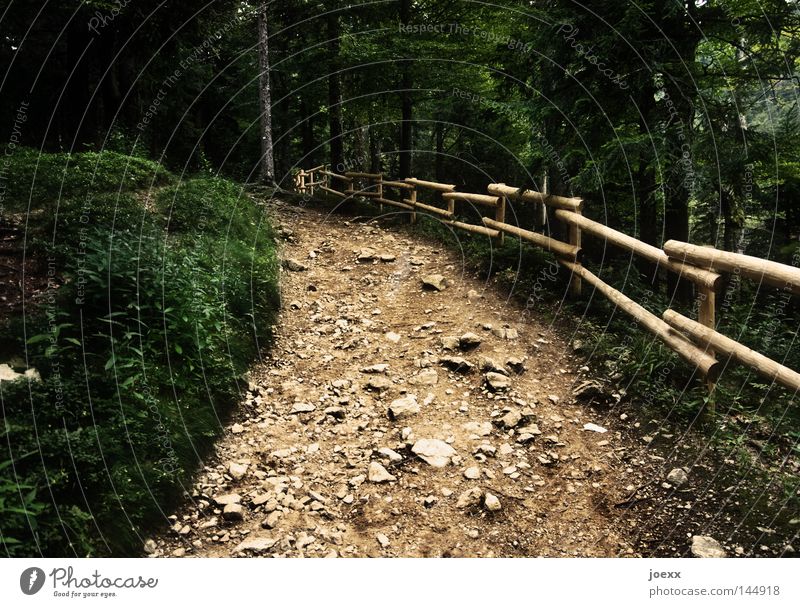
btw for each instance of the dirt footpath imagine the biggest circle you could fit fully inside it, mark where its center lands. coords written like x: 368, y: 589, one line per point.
x: 397, y: 418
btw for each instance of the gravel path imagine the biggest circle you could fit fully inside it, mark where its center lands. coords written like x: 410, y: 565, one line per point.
x: 392, y: 418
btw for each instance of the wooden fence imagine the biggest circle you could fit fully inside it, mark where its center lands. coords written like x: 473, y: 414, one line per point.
x: 697, y: 342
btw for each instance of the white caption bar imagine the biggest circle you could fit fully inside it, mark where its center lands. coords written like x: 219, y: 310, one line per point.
x: 399, y: 582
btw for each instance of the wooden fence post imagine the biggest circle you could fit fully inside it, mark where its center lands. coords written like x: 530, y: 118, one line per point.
x: 576, y: 284
x: 379, y: 189
x: 500, y: 216
x: 451, y: 208
x: 575, y: 281
x: 302, y: 181
x: 412, y: 198
x: 706, y: 316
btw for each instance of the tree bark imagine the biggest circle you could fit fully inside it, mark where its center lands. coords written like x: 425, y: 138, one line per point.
x: 375, y: 164
x: 407, y: 105
x: 267, y: 171
x: 307, y: 132
x: 679, y: 25
x: 646, y: 187
x: 439, y: 160
x: 334, y: 95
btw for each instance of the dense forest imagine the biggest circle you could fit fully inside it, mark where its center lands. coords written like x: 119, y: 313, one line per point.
x: 670, y: 119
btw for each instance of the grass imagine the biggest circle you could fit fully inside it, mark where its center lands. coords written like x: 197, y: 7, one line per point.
x: 164, y: 298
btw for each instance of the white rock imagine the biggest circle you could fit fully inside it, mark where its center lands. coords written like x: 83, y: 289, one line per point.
x: 237, y: 471
x: 382, y: 540
x: 233, y: 512
x: 256, y: 544
x: 469, y: 340
x: 376, y: 473
x: 8, y: 374
x: 678, y: 477
x: 472, y: 473
x: 435, y: 282
x: 428, y: 377
x: 497, y: 381
x: 511, y: 419
x: 450, y: 342
x: 491, y: 502
x: 228, y: 498
x: 302, y: 408
x: 434, y: 452
x: 403, y: 407
x: 707, y: 547
x: 469, y: 498
x: 391, y: 455
x: 393, y: 337
x: 594, y: 428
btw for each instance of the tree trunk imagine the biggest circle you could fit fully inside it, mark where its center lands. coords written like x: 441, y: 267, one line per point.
x: 307, y: 132
x: 406, y: 102
x: 267, y: 173
x: 646, y: 182
x: 79, y: 125
x: 680, y: 26
x: 334, y: 95
x: 375, y: 164
x: 439, y: 160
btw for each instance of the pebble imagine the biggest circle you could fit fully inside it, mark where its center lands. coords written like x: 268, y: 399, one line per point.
x: 470, y: 498
x: 302, y: 408
x: 403, y: 407
x: 497, y: 382
x: 376, y: 473
x: 433, y: 452
x: 469, y: 341
x: 392, y: 456
x: 272, y: 520
x: 704, y: 546
x: 379, y: 382
x: 434, y: 282
x: 294, y: 266
x: 237, y: 471
x: 228, y: 498
x: 511, y: 419
x: 233, y: 512
x: 678, y: 477
x: 256, y: 545
x: 491, y: 502
x: 472, y: 473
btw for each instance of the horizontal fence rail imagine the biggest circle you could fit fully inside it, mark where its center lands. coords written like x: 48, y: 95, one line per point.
x: 697, y: 342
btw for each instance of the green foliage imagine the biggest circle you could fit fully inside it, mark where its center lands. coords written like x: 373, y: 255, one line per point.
x: 42, y: 181
x: 141, y: 355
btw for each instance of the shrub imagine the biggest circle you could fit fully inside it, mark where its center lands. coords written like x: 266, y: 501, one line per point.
x: 42, y: 180
x: 141, y: 354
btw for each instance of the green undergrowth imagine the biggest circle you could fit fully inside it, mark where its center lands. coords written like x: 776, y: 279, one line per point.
x: 156, y: 306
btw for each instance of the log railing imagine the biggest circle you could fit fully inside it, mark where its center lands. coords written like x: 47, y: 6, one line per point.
x: 697, y: 342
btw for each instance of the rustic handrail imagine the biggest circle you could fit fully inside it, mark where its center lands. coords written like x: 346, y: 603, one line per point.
x: 701, y: 265
x: 773, y: 273
x: 710, y: 338
x: 705, y: 363
x: 649, y: 252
